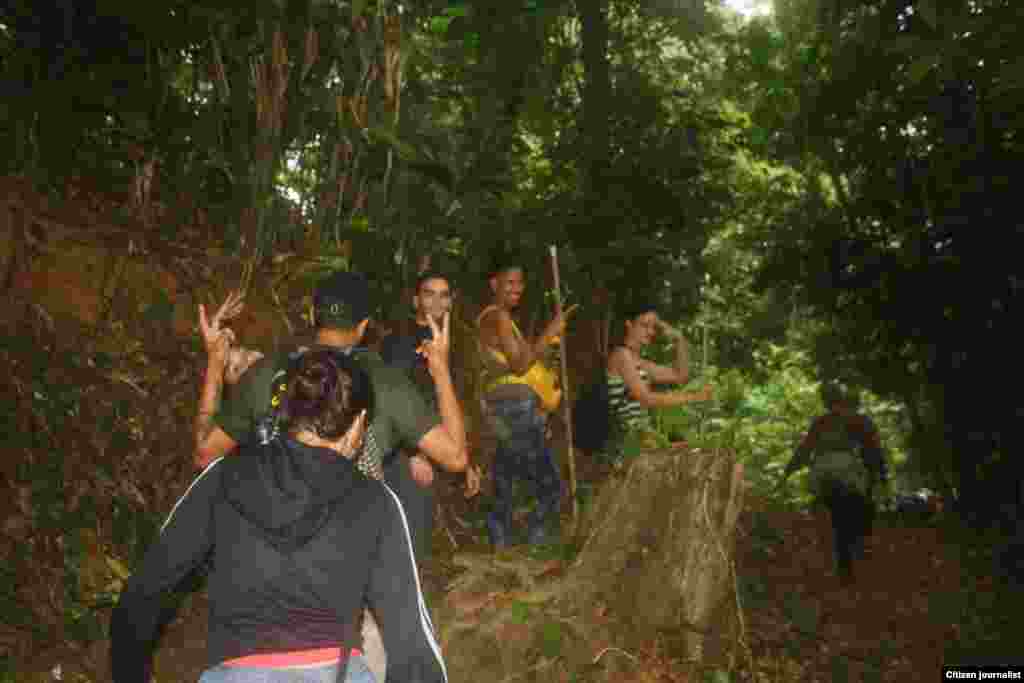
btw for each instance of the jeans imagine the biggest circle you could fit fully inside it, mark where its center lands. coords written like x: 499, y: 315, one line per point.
x: 357, y: 672
x: 522, y: 456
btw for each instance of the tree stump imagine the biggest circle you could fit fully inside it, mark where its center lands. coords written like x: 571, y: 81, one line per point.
x: 658, y: 558
x: 660, y: 544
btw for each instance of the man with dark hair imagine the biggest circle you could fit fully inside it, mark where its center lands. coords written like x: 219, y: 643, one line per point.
x: 432, y: 300
x: 514, y: 406
x: 341, y: 310
x: 432, y: 296
x: 341, y: 315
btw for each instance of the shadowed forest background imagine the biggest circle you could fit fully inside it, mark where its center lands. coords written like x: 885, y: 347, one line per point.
x: 822, y: 192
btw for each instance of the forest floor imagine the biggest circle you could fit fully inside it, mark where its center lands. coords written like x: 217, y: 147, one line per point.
x: 894, y: 624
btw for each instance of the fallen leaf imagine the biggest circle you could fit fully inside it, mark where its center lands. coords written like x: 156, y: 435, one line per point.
x: 551, y: 568
x: 469, y: 603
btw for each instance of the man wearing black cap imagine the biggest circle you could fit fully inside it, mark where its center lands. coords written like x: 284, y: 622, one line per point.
x: 341, y: 315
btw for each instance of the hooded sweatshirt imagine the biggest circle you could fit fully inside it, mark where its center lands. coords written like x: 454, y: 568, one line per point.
x: 298, y: 540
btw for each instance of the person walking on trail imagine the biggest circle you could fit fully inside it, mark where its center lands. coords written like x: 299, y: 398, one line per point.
x: 631, y: 377
x: 515, y: 408
x: 299, y: 541
x: 844, y: 452
x: 432, y: 300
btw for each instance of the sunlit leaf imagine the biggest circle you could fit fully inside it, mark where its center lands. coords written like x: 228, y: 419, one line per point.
x: 440, y: 24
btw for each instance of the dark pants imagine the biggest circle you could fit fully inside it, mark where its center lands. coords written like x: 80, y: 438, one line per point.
x: 852, y: 518
x: 417, y: 501
x: 522, y: 457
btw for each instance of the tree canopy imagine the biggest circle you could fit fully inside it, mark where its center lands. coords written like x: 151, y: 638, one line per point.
x: 830, y: 176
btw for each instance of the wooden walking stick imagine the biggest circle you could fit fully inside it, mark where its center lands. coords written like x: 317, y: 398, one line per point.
x: 566, y: 403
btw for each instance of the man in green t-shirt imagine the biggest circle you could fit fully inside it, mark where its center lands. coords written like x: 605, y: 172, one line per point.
x: 341, y: 314
x: 401, y: 417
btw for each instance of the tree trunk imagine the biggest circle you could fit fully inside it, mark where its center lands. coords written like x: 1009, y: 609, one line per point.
x: 661, y: 544
x: 597, y: 94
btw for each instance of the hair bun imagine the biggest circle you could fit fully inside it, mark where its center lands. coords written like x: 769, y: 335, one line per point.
x: 325, y: 393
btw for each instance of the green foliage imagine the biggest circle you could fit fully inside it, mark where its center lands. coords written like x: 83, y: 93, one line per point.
x: 878, y: 118
x: 717, y: 676
x: 551, y: 638
x: 760, y: 415
x: 520, y: 612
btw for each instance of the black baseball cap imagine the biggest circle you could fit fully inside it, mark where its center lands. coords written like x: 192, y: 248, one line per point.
x: 341, y: 300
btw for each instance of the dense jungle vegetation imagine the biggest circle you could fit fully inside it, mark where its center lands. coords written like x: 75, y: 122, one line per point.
x: 820, y: 191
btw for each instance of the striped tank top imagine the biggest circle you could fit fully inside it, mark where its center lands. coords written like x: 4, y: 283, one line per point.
x: 626, y: 410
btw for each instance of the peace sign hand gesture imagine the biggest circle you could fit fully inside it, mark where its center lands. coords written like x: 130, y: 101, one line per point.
x: 231, y: 308
x: 436, y: 350
x: 217, y: 339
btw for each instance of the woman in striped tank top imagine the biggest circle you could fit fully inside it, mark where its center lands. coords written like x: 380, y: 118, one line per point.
x: 630, y: 377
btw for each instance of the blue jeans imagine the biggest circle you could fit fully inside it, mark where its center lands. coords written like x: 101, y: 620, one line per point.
x: 357, y: 672
x: 522, y: 456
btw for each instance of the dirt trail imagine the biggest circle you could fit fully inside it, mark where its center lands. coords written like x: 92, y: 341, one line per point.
x: 891, y: 612
x: 799, y: 625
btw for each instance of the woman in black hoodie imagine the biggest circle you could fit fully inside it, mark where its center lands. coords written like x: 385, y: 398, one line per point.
x: 299, y: 541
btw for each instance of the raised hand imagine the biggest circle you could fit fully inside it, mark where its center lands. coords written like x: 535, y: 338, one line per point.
x: 436, y: 350
x: 231, y: 308
x: 216, y: 340
x: 559, y: 322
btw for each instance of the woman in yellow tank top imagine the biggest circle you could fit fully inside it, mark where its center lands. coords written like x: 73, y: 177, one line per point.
x: 539, y: 377
x: 515, y: 389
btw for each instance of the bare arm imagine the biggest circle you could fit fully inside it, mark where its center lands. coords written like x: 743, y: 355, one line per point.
x: 445, y: 444
x: 679, y: 373
x: 517, y: 351
x: 211, y: 442
x: 520, y: 353
x: 623, y: 363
